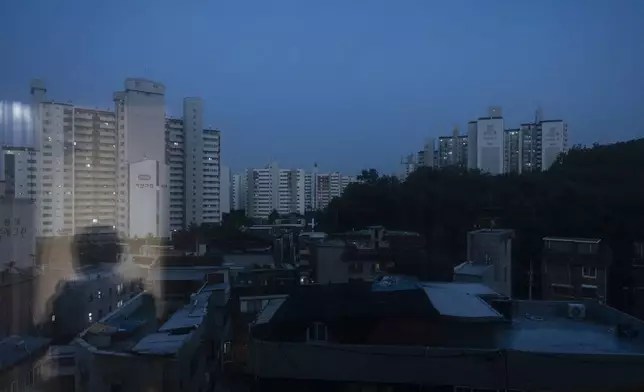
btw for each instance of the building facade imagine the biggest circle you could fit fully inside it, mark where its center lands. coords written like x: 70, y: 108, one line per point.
x: 512, y: 151
x: 225, y: 191
x: 375, y: 337
x: 193, y: 154
x: 140, y: 119
x: 286, y: 190
x: 489, y: 260
x: 485, y: 142
x: 238, y: 191
x: 575, y: 268
x: 453, y: 150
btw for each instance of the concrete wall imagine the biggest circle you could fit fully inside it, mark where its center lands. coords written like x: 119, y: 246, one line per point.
x: 494, y: 247
x: 330, y: 268
x: 17, y: 232
x: 436, y: 366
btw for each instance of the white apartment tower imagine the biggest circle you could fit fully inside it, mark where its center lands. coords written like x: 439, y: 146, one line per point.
x: 272, y: 188
x: 238, y: 191
x: 175, y: 151
x: 194, y: 157
x: 485, y: 143
x: 225, y: 192
x: 75, y: 177
x: 142, y: 187
x: 554, y: 141
x: 202, y: 160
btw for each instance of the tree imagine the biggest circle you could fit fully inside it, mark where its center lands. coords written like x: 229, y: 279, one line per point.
x: 368, y: 176
x: 588, y: 192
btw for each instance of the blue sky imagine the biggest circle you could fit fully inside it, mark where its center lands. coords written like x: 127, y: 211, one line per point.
x: 349, y: 84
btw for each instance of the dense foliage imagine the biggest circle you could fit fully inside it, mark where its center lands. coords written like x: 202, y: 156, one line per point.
x: 595, y: 192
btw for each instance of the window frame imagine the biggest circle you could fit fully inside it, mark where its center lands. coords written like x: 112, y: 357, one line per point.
x: 586, y: 272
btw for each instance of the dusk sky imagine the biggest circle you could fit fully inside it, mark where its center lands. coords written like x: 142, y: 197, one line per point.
x: 349, y: 84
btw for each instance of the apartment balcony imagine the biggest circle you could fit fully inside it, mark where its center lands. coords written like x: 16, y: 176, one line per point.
x: 82, y: 138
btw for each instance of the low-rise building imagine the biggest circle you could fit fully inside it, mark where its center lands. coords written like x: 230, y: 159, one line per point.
x: 68, y: 301
x: 17, y: 287
x: 365, y: 255
x: 397, y: 334
x: 253, y: 288
x: 20, y: 357
x: 634, y: 284
x: 489, y: 260
x: 136, y: 348
x: 575, y: 268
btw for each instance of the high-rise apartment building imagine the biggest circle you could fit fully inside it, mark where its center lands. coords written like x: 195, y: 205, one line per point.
x: 286, y: 190
x: 225, y: 191
x: 193, y: 154
x: 175, y: 157
x: 94, y: 156
x: 18, y: 168
x: 238, y: 191
x: 452, y: 150
x: 491, y: 148
x: 142, y: 186
x: 425, y: 156
x: 75, y: 176
x: 535, y: 146
x: 530, y: 147
x: 327, y: 187
x: 485, y: 142
x: 130, y: 169
x: 512, y: 151
x: 554, y: 141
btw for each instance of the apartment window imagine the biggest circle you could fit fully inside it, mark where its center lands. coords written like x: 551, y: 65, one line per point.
x: 99, y: 294
x: 589, y: 272
x: 119, y: 303
x: 89, y: 317
x: 119, y: 288
x: 317, y: 333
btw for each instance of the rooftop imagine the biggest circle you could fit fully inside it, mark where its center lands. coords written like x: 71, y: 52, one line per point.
x: 530, y: 326
x: 472, y: 268
x: 15, y: 349
x: 546, y: 326
x: 188, y: 260
x: 248, y: 259
x: 572, y: 239
x: 138, y: 328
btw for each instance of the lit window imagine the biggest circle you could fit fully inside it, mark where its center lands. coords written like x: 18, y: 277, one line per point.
x: 89, y: 317
x: 99, y: 294
x: 119, y: 303
x: 53, y: 318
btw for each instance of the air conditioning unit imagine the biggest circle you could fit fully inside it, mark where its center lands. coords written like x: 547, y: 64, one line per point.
x: 577, y: 311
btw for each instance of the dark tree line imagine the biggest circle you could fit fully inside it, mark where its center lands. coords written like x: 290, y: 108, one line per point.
x: 595, y: 192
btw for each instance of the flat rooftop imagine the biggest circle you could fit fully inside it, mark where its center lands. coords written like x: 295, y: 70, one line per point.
x: 471, y: 268
x: 573, y: 239
x: 530, y: 326
x: 544, y: 326
x: 15, y: 349
x: 137, y: 328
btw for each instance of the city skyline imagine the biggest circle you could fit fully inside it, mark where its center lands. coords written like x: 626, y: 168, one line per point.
x: 265, y: 76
